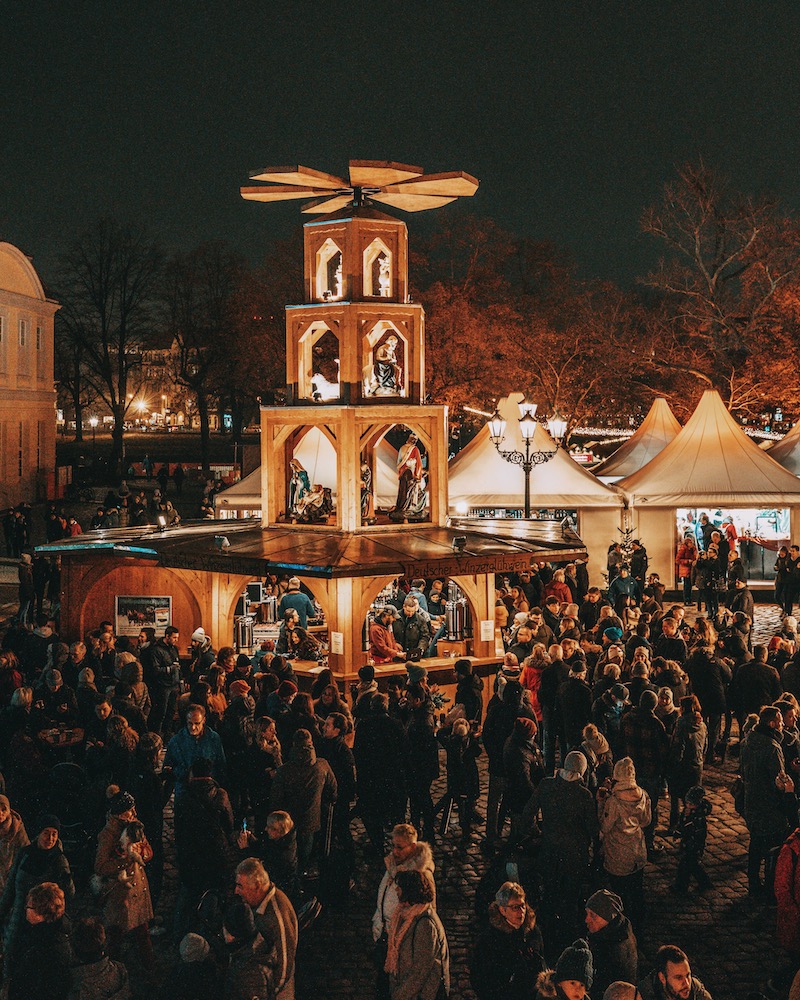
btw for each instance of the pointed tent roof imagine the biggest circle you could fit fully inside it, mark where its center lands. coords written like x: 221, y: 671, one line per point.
x: 787, y: 451
x: 712, y: 460
x: 480, y: 477
x: 657, y: 429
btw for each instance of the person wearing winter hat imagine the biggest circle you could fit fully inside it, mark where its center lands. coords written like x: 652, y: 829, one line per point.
x: 575, y: 766
x: 383, y: 647
x: 600, y: 763
x: 607, y: 714
x: 239, y: 688
x: 295, y: 600
x: 611, y: 940
x: 361, y: 692
x: 417, y: 674
x: 247, y: 975
x: 43, y: 860
x: 196, y: 974
x: 692, y: 831
x: 573, y: 975
x: 624, y: 811
x: 202, y: 653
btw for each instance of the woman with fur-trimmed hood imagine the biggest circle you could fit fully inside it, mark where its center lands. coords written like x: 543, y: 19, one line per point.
x: 508, y: 956
x: 407, y: 854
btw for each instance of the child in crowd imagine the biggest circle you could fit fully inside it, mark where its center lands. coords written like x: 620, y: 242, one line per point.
x: 692, y: 831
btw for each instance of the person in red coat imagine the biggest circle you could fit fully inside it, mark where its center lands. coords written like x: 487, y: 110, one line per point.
x: 787, y: 895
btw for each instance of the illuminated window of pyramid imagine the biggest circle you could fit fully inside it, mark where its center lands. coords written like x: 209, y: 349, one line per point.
x: 330, y: 284
x: 378, y: 270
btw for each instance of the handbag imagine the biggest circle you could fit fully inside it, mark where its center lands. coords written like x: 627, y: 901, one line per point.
x: 380, y: 951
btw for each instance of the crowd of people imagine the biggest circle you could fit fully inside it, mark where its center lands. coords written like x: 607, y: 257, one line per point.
x: 604, y: 713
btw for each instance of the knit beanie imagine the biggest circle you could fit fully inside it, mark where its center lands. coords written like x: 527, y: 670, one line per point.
x: 239, y: 921
x: 595, y: 740
x: 47, y: 821
x: 119, y: 802
x: 619, y: 692
x: 613, y: 634
x: 286, y: 689
x: 695, y: 795
x: 575, y: 963
x: 366, y: 673
x: 416, y: 673
x: 199, y: 634
x: 648, y: 701
x: 194, y: 948
x: 625, y: 773
x: 525, y: 728
x: 239, y: 687
x: 605, y: 904
x: 575, y: 765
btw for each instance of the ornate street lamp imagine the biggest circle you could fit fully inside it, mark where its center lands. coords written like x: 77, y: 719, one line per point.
x: 528, y: 458
x: 93, y: 424
x: 557, y: 426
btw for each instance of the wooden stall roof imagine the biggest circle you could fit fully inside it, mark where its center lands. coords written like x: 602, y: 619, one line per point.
x: 493, y: 546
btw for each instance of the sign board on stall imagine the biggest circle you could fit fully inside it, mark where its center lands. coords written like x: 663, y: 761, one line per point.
x: 133, y: 613
x: 337, y: 642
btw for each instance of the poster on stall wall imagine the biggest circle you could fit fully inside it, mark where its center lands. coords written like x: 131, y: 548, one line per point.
x: 136, y: 613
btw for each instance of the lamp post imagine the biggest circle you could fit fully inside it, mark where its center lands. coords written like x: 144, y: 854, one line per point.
x: 93, y: 425
x: 528, y: 458
x: 557, y: 426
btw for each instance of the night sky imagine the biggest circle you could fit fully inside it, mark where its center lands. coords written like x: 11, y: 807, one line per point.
x: 572, y: 115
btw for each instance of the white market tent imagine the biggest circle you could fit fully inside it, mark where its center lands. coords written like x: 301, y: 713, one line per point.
x: 479, y: 478
x: 317, y: 456
x: 787, y: 451
x: 710, y: 462
x: 656, y: 431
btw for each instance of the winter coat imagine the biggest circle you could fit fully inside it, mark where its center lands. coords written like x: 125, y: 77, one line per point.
x: 531, y: 680
x: 462, y: 769
x: 685, y: 558
x: 421, y: 860
x: 276, y: 944
x: 469, y: 694
x: 573, y: 709
x: 11, y: 843
x: 42, y: 969
x: 423, y: 960
x: 340, y: 758
x: 787, y: 894
x: 569, y: 821
x: 31, y: 867
x: 686, y: 754
x: 248, y: 977
x: 184, y: 749
x: 101, y: 980
x: 652, y: 989
x: 524, y: 769
x: 623, y: 816
x: 553, y: 676
x: 301, y: 786
x: 506, y: 961
x: 413, y: 632
x: 644, y: 740
x: 203, y: 834
x: 500, y: 718
x: 760, y: 761
x: 709, y: 677
x: 423, y: 750
x: 607, y: 716
x: 755, y: 685
x: 126, y: 895
x: 380, y: 756
x: 614, y: 954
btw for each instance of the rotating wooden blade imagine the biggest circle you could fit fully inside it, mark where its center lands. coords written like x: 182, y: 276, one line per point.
x: 411, y: 202
x: 303, y: 176
x: 283, y: 192
x: 379, y: 173
x: 456, y: 184
x: 328, y: 204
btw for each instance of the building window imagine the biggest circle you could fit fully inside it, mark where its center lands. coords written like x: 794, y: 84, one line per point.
x: 38, y: 338
x: 24, y: 332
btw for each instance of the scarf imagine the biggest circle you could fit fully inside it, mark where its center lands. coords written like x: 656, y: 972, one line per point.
x: 402, y: 919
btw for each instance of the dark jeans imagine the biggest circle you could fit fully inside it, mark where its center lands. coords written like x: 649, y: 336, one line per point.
x: 712, y: 601
x: 687, y: 589
x: 421, y: 804
x: 653, y: 789
x: 630, y: 889
x: 162, y: 711
x: 549, y: 740
x: 713, y: 722
x: 497, y: 785
x: 763, y: 847
x: 690, y: 863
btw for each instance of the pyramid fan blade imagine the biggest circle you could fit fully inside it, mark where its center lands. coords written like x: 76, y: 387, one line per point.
x: 304, y: 176
x: 411, y: 202
x: 328, y: 203
x: 379, y: 173
x: 456, y: 184
x: 286, y: 192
